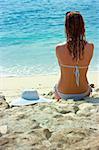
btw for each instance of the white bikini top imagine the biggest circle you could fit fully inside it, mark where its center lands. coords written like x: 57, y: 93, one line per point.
x: 77, y: 72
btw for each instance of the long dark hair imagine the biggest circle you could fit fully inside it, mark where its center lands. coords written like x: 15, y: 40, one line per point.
x: 75, y: 31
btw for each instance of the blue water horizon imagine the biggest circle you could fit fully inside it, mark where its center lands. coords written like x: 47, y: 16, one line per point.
x: 30, y: 30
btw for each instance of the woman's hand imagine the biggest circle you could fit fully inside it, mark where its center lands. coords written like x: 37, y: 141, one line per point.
x: 57, y: 97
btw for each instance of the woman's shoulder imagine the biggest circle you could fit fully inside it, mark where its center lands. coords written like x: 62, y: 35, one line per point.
x: 60, y: 46
x: 90, y: 49
x: 90, y: 45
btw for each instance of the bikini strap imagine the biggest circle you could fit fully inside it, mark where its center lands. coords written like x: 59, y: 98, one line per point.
x: 77, y: 72
x: 77, y: 75
x: 67, y: 66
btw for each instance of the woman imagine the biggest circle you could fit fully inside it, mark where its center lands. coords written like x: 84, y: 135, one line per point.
x: 74, y: 57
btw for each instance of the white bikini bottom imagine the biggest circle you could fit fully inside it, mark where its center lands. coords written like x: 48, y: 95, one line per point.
x: 73, y: 96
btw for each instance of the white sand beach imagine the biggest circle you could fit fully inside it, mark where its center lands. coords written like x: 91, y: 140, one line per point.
x: 64, y: 125
x: 13, y: 86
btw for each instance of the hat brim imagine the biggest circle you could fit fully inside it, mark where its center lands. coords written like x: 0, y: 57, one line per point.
x: 23, y: 102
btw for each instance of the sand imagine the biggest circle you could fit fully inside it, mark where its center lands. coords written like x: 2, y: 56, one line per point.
x: 64, y: 125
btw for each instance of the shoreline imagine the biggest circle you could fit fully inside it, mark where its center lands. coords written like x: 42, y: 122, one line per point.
x: 13, y: 86
x: 36, y: 73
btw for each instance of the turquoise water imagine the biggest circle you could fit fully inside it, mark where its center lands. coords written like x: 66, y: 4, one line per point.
x: 30, y: 29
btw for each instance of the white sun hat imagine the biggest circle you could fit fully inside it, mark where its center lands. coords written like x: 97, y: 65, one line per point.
x: 29, y: 96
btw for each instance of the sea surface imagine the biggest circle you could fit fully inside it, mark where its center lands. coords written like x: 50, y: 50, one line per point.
x: 30, y: 30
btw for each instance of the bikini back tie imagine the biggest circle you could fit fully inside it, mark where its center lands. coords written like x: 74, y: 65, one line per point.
x: 77, y: 72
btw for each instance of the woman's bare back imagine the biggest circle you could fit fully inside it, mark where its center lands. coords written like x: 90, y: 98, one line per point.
x: 67, y: 83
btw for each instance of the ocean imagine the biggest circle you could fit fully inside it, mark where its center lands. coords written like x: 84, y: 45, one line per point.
x: 30, y: 30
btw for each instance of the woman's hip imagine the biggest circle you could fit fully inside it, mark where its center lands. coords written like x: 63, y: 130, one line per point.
x: 72, y: 96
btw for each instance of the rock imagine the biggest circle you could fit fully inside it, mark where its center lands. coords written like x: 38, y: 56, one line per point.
x: 50, y: 93
x: 4, y: 105
x: 92, y: 85
x: 35, y: 124
x: 76, y: 108
x: 43, y: 94
x: 47, y: 133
